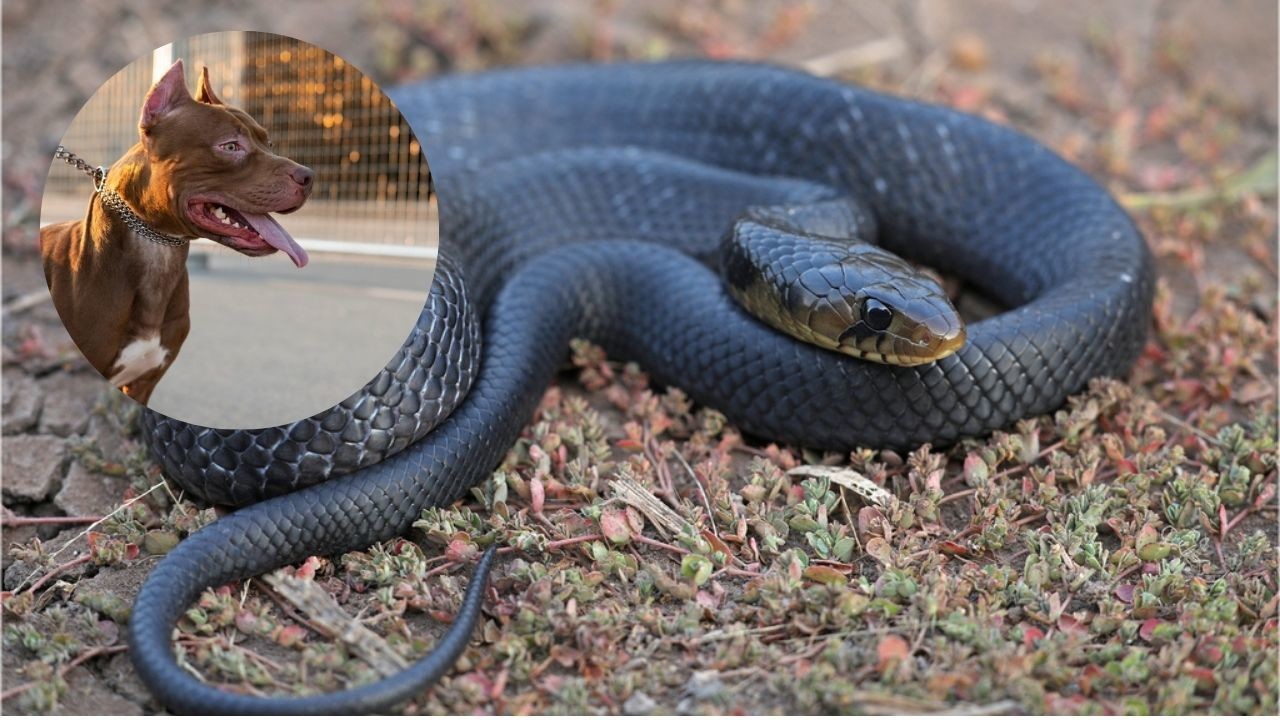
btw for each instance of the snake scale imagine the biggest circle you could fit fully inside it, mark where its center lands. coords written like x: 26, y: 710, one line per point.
x: 577, y: 202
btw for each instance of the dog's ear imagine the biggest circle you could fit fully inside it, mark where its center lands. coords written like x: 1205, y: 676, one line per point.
x: 204, y: 90
x: 167, y: 94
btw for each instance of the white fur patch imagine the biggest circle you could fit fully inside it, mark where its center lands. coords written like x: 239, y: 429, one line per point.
x: 138, y: 358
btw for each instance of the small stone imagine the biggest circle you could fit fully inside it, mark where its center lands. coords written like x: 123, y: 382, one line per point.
x: 22, y: 402
x: 18, y: 572
x: 969, y: 52
x: 159, y: 542
x: 88, y: 493
x: 704, y: 685
x: 639, y: 704
x: 68, y: 402
x: 32, y: 467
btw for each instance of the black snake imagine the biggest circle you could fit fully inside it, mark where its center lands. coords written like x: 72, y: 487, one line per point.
x: 573, y: 201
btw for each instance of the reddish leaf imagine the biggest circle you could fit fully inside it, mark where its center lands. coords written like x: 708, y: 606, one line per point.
x: 891, y: 650
x: 291, y: 635
x: 537, y: 495
x: 1087, y: 675
x: 975, y: 470
x: 1264, y: 496
x: 460, y: 548
x: 1208, y: 652
x: 871, y: 522
x: 1067, y: 623
x: 307, y: 571
x: 1125, y: 593
x: 708, y: 600
x: 1146, y: 535
x: 1031, y: 636
x: 1205, y: 681
x: 614, y: 526
x: 716, y: 542
x: 797, y: 494
x: 246, y: 622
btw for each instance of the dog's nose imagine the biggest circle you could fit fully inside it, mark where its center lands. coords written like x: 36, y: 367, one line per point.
x: 303, y: 176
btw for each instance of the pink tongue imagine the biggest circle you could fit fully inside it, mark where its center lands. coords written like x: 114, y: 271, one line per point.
x: 276, y: 237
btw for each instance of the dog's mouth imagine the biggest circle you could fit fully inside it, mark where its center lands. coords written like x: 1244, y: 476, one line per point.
x: 249, y: 233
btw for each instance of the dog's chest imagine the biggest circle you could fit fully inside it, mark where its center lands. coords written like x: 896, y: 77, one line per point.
x: 156, y: 265
x: 159, y: 270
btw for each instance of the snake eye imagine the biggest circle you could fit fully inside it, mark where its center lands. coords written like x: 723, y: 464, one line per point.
x: 876, y: 315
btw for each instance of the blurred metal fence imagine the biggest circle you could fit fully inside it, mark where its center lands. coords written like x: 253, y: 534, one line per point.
x: 372, y: 192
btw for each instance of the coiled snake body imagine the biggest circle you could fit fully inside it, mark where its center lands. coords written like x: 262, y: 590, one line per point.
x: 574, y: 202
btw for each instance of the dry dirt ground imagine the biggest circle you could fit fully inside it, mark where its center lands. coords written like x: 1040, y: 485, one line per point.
x: 1117, y: 556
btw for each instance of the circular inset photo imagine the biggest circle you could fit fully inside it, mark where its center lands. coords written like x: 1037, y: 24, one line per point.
x: 239, y: 230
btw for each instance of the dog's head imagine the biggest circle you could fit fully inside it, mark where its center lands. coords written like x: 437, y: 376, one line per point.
x: 218, y: 168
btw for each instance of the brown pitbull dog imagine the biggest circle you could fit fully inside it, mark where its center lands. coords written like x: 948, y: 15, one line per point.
x: 201, y: 168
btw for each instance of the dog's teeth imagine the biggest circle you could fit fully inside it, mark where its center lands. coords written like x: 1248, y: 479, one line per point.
x: 217, y: 210
x: 226, y: 220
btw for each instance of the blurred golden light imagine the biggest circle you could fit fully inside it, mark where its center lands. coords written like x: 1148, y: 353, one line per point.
x: 395, y: 131
x: 354, y: 156
x: 285, y: 56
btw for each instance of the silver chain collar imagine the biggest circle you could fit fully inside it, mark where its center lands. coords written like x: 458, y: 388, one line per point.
x: 112, y: 200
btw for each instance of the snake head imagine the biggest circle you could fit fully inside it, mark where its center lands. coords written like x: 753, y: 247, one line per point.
x: 901, y: 326
x: 873, y: 305
x: 813, y: 278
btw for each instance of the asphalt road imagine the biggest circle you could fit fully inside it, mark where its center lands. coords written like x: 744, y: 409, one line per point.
x: 271, y: 343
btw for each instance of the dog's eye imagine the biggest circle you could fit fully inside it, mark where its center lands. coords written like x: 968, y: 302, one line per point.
x: 229, y: 146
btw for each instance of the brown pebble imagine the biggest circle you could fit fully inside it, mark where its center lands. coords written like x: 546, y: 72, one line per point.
x: 159, y: 542
x: 969, y: 52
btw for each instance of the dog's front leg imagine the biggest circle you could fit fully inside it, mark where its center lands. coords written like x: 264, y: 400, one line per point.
x: 158, y: 325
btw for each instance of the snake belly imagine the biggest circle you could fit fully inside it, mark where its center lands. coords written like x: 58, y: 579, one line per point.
x: 577, y: 202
